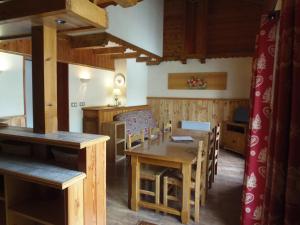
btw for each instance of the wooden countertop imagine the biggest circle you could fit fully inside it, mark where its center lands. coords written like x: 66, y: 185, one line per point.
x: 61, y: 139
x: 38, y: 172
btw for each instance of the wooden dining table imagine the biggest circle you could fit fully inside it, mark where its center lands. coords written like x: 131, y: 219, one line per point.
x: 165, y: 153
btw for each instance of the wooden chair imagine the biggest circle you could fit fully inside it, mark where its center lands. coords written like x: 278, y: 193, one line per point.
x: 167, y: 126
x: 198, y: 177
x: 216, y: 151
x: 148, y: 172
x: 210, y: 159
x: 154, y: 133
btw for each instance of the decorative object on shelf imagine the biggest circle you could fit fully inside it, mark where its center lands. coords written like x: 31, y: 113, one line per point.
x: 119, y: 80
x: 116, y: 93
x: 196, y: 83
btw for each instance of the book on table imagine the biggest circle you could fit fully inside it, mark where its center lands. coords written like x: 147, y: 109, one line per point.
x: 181, y: 138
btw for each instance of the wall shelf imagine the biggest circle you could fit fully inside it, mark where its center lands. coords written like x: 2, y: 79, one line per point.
x: 45, y: 212
x: 214, y: 80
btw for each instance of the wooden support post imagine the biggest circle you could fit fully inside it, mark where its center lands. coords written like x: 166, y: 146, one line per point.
x: 44, y: 80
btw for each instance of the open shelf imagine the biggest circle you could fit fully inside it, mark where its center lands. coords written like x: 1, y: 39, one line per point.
x: 2, y: 213
x: 2, y: 198
x: 120, y: 140
x: 49, y: 212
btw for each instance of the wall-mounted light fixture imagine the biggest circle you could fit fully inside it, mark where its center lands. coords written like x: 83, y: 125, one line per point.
x: 3, y: 65
x: 84, y: 77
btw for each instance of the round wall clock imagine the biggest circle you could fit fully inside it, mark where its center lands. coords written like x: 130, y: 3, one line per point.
x: 120, y: 79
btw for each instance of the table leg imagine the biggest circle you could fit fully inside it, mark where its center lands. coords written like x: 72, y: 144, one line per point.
x: 135, y: 183
x: 186, y: 193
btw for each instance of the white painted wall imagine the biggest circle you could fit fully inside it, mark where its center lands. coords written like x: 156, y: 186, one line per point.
x: 98, y: 91
x: 238, y: 82
x: 141, y: 25
x: 136, y: 83
x: 28, y: 91
x: 11, y: 85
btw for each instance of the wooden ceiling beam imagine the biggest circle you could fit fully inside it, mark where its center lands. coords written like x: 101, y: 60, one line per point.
x: 123, y: 3
x: 153, y: 62
x: 15, y: 37
x: 110, y: 50
x: 130, y: 55
x: 101, y: 39
x: 39, y: 11
x: 119, y: 41
x: 201, y: 28
x: 143, y: 59
x: 89, y: 41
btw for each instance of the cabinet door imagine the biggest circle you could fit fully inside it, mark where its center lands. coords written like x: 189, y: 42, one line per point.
x: 234, y: 141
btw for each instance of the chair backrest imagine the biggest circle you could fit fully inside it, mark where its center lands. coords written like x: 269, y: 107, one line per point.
x: 167, y: 126
x: 217, y: 136
x: 154, y: 133
x: 195, y: 125
x: 212, y: 141
x: 135, y: 138
x: 200, y: 176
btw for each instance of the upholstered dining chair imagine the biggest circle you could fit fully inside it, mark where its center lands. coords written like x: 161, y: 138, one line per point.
x: 198, y: 176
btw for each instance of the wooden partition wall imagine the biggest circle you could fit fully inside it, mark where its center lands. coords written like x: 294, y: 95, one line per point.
x: 196, y: 109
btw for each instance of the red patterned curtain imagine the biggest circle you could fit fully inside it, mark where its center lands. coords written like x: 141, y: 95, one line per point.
x: 261, y: 93
x: 282, y: 199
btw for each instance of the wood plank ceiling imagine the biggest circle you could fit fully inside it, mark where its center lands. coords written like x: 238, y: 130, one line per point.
x: 83, y: 44
x: 210, y: 28
x: 192, y: 29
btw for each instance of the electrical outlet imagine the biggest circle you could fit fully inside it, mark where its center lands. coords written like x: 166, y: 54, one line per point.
x: 81, y: 103
x: 73, y: 104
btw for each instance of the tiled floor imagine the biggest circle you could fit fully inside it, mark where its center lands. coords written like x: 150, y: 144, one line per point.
x: 223, y: 204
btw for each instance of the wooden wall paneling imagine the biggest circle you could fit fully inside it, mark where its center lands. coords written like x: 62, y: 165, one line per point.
x: 219, y: 28
x: 65, y: 53
x: 205, y: 110
x: 215, y: 80
x: 63, y: 96
x: 44, y: 79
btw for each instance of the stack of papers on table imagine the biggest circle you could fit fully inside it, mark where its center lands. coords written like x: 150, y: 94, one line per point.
x: 182, y: 138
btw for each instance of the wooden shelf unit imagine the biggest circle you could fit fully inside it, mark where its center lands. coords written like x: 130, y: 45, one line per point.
x: 38, y: 190
x: 35, y: 207
x: 234, y: 137
x: 117, y: 144
x: 2, y: 188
